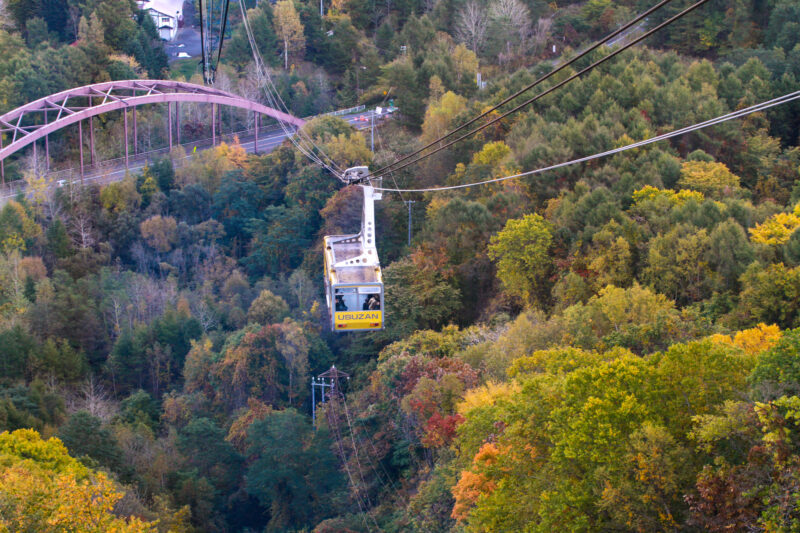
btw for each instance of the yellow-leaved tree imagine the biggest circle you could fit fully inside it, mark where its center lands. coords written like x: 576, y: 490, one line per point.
x: 440, y: 115
x: 708, y: 177
x: 777, y: 229
x: 521, y: 253
x: 752, y: 341
x: 42, y: 488
x: 289, y: 30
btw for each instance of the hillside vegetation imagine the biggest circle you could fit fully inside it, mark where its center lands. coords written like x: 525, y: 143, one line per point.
x: 610, y: 346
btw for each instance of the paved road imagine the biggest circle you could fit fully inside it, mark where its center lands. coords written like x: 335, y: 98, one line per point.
x: 630, y: 33
x: 268, y: 140
x: 187, y: 40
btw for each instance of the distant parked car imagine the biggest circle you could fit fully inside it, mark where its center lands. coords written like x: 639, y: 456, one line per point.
x: 61, y: 183
x: 183, y: 54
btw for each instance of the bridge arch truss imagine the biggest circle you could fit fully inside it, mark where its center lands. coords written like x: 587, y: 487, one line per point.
x: 36, y: 120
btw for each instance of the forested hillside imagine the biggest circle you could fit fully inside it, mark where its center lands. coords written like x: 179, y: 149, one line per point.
x: 609, y: 346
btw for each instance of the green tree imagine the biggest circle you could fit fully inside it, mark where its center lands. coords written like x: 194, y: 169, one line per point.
x: 677, y: 266
x: 267, y: 308
x: 293, y: 473
x: 771, y: 295
x: 521, y: 253
x: 84, y: 435
x: 777, y: 370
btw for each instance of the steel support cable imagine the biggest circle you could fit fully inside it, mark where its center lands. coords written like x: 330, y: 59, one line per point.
x: 355, y: 451
x: 258, y: 60
x: 558, y: 85
x: 375, y: 451
x: 550, y: 74
x: 347, y: 469
x: 263, y: 82
x: 343, y: 457
x: 278, y: 103
x: 263, y: 73
x: 675, y: 133
x: 353, y: 438
x: 203, y: 43
x: 391, y: 174
x: 224, y: 25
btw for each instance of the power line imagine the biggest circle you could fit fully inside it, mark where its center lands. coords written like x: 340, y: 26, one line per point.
x: 718, y: 120
x: 557, y: 86
x: 550, y: 74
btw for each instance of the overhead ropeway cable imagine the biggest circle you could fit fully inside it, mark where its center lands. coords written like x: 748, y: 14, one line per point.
x: 689, y: 129
x: 562, y: 66
x: 304, y: 143
x: 614, y: 53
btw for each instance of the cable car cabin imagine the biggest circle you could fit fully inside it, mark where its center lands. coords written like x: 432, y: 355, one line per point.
x: 353, y: 281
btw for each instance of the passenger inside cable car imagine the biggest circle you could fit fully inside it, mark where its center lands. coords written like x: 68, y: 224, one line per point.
x: 340, y: 305
x: 373, y: 303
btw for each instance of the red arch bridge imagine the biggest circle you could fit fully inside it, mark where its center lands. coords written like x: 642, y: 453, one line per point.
x: 36, y: 120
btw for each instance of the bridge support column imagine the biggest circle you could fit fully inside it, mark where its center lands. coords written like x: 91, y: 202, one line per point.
x: 92, y: 152
x: 169, y: 124
x: 46, y: 145
x: 213, y: 124
x: 135, y: 134
x: 255, y: 143
x: 178, y: 121
x: 2, y: 164
x: 80, y: 146
x: 125, y: 114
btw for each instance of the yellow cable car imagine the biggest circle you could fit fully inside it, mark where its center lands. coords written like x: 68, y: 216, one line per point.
x: 353, y: 280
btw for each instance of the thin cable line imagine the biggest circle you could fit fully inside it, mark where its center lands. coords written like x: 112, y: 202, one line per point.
x: 718, y: 120
x: 222, y: 33
x: 203, y: 43
x: 558, y: 85
x: 375, y: 451
x: 347, y: 469
x: 276, y: 101
x: 550, y: 74
x: 265, y: 84
x: 391, y: 174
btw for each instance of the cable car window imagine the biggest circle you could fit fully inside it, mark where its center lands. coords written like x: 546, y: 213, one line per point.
x: 348, y: 301
x: 372, y: 302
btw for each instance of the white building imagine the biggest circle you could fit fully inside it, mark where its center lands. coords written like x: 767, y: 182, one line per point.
x: 167, y: 14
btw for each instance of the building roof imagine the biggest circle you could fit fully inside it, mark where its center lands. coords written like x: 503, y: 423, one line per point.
x: 173, y: 8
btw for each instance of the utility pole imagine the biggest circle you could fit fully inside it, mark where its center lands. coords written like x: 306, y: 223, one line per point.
x: 408, y: 203
x: 327, y: 380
